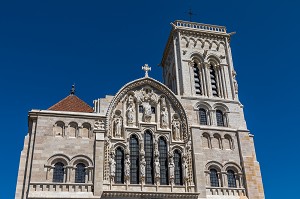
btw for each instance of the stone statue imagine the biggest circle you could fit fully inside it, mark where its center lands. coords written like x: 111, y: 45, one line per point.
x: 176, y: 130
x: 147, y: 112
x: 185, y: 167
x: 130, y: 113
x: 235, y: 84
x: 118, y: 126
x: 164, y: 118
x: 157, y: 168
x: 143, y: 167
x: 171, y: 168
x: 127, y: 166
x: 112, y: 164
x: 163, y: 102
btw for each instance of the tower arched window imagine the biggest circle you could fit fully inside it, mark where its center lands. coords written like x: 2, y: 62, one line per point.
x: 178, y: 168
x: 214, y: 179
x: 203, y: 116
x: 119, y: 158
x: 231, y: 179
x: 197, y: 79
x: 163, y: 161
x: 58, y: 172
x: 134, y: 159
x: 80, y: 173
x: 148, y: 147
x: 220, y: 118
x: 213, y: 81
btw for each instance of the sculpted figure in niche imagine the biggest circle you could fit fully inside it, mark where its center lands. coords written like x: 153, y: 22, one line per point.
x: 127, y: 166
x: 185, y: 167
x: 176, y: 130
x: 164, y: 118
x: 143, y: 167
x: 147, y: 112
x: 130, y: 114
x: 171, y: 167
x: 112, y: 165
x: 118, y: 126
x: 157, y: 168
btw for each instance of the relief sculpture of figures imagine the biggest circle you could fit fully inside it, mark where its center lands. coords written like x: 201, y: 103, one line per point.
x: 130, y: 114
x: 118, y: 126
x: 99, y: 125
x: 164, y: 118
x: 147, y: 112
x: 176, y: 130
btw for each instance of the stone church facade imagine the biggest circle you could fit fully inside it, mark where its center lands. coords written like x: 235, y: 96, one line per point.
x: 184, y: 138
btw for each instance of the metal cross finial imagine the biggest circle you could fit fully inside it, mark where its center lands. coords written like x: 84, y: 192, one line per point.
x: 190, y: 13
x: 146, y: 68
x: 72, y: 91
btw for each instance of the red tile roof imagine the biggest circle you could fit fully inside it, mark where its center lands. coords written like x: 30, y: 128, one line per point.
x: 71, y: 103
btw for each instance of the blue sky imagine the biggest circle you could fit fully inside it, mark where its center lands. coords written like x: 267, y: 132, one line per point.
x: 46, y: 46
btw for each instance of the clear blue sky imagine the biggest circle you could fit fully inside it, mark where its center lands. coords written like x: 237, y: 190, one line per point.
x: 46, y: 46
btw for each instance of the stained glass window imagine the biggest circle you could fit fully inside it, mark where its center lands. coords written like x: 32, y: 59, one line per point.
x: 231, y: 178
x: 148, y: 145
x: 214, y: 180
x: 220, y: 119
x: 203, y: 117
x: 178, y: 168
x: 119, y: 158
x: 58, y: 172
x: 163, y: 161
x: 134, y: 160
x: 80, y: 173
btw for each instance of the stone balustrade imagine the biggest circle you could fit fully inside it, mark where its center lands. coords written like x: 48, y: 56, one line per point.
x: 200, y: 26
x: 61, y: 187
x: 226, y: 191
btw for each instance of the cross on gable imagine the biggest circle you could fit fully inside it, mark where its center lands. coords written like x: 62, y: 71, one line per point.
x: 146, y: 68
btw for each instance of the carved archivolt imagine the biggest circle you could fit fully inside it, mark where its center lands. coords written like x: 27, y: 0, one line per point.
x: 146, y: 104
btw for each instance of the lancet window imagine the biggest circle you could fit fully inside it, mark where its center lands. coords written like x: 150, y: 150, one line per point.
x: 178, y: 168
x: 148, y: 144
x: 134, y: 159
x: 163, y: 161
x: 58, y: 172
x: 80, y: 173
x: 119, y: 158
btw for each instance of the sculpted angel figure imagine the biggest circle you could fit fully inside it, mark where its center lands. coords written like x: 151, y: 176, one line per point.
x: 164, y: 117
x: 118, y: 127
x: 130, y: 111
x: 176, y: 130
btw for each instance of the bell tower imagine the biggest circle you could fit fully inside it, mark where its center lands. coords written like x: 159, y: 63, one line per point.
x: 197, y: 61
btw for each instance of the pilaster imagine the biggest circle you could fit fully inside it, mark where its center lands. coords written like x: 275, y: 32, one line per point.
x: 99, y: 160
